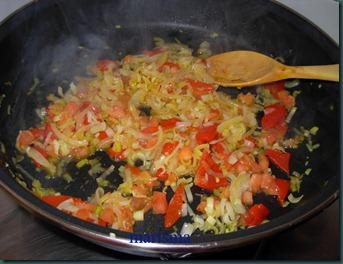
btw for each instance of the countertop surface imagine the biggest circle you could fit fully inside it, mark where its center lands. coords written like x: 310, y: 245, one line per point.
x: 24, y: 237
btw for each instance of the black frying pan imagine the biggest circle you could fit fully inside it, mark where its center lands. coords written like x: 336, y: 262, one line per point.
x: 43, y: 41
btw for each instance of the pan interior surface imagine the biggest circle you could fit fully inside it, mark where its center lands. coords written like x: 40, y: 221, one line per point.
x: 55, y: 41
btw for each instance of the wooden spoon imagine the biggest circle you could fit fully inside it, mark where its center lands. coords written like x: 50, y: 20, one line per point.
x: 247, y: 68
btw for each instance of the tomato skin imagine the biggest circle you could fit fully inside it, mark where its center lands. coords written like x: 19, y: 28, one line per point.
x: 169, y: 147
x: 107, y: 216
x: 116, y: 155
x: 204, y: 178
x: 275, y: 87
x: 173, y: 212
x: 169, y: 123
x: 102, y: 135
x: 200, y: 88
x: 206, y: 134
x: 279, y: 158
x: 173, y: 67
x: 256, y: 214
x: 273, y: 115
x: 55, y: 200
x: 105, y: 65
x: 159, y: 203
x: 161, y: 175
x: 151, y: 128
x: 283, y: 186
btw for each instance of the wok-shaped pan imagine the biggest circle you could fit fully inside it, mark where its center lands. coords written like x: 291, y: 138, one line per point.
x: 54, y: 41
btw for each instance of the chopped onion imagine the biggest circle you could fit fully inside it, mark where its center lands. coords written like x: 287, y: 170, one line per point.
x: 209, y: 205
x: 292, y: 83
x: 98, y: 127
x: 68, y: 205
x: 184, y: 210
x: 77, y: 143
x: 187, y: 229
x: 107, y: 172
x: 39, y: 158
x: 293, y: 199
x: 237, y: 187
x: 138, y: 215
x: 189, y: 193
x: 290, y: 115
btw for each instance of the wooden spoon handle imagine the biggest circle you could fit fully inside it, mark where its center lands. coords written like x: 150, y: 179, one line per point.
x: 325, y: 72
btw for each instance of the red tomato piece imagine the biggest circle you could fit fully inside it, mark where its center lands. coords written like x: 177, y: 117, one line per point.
x: 116, y: 155
x: 151, y: 128
x: 169, y: 123
x: 275, y: 88
x: 256, y: 214
x: 173, y: 212
x: 169, y: 147
x: 159, y: 203
x: 208, y: 175
x: 173, y: 67
x: 279, y: 158
x: 25, y: 138
x: 105, y: 65
x: 83, y: 214
x: 55, y: 200
x: 107, y: 216
x: 102, y: 135
x: 273, y: 115
x: 206, y: 134
x: 161, y: 175
x: 200, y: 88
x: 283, y: 186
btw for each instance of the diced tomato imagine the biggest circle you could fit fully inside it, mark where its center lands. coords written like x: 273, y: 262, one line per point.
x: 273, y: 115
x: 161, y: 174
x: 249, y: 142
x: 38, y: 132
x: 172, y: 67
x: 200, y: 88
x: 159, y: 203
x: 256, y: 214
x: 116, y: 155
x: 169, y: 123
x: 82, y: 214
x: 151, y: 128
x: 268, y: 184
x: 247, y: 198
x: 206, y: 134
x: 153, y: 52
x: 80, y: 152
x: 44, y: 154
x: 102, y: 223
x: 286, y: 99
x: 279, y: 158
x: 208, y: 175
x: 134, y: 170
x: 169, y: 147
x: 107, y: 216
x: 173, y: 212
x: 117, y: 112
x: 218, y: 148
x: 283, y: 186
x: 247, y: 99
x: 25, y: 138
x: 201, y: 207
x: 214, y: 114
x: 102, y: 135
x: 55, y: 200
x: 148, y: 143
x: 105, y: 65
x: 275, y: 88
